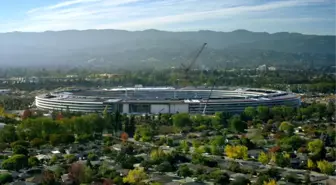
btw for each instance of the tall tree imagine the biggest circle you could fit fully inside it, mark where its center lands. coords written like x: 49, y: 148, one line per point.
x: 131, y: 129
x: 117, y: 120
x: 236, y: 124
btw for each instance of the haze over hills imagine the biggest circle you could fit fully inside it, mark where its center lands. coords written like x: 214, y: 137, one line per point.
x: 154, y: 48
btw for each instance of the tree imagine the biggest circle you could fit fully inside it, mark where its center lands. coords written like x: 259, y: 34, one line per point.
x: 158, y: 155
x: 291, y: 143
x: 181, y: 120
x: 18, y: 149
x: 316, y: 147
x: 325, y: 167
x: 184, y: 146
x: 218, y: 141
x: 220, y: 177
x: 281, y: 160
x: 271, y: 182
x: 5, y: 178
x: 250, y: 112
x: 236, y: 124
x: 240, y: 180
x: 124, y: 137
x: 8, y: 134
x: 92, y: 156
x: 236, y: 152
x: 220, y: 120
x: 263, y: 113
x: 135, y: 176
x: 144, y: 132
x: 48, y: 178
x: 262, y: 179
x: 80, y: 173
x: 70, y: 158
x: 33, y: 161
x: 164, y: 167
x: 131, y: 129
x: 37, y: 142
x: 263, y: 158
x: 19, y: 143
x: 15, y: 162
x: 117, y: 119
x: 247, y: 142
x: 3, y: 146
x: 287, y: 127
x: 310, y: 164
x: 26, y: 114
x: 184, y: 171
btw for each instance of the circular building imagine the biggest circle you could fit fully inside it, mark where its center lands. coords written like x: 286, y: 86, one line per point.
x: 164, y: 100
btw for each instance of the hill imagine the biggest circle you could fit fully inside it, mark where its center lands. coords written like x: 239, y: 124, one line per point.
x: 154, y: 48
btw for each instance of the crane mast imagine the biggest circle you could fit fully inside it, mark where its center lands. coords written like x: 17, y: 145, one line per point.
x: 207, y: 101
x: 187, y: 68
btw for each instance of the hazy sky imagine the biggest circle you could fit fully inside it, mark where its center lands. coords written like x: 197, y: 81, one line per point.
x: 305, y: 16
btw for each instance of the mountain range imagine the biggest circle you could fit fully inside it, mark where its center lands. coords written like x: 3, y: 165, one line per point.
x: 153, y: 48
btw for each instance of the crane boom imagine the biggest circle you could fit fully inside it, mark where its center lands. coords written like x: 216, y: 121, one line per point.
x: 194, y: 59
x: 212, y: 88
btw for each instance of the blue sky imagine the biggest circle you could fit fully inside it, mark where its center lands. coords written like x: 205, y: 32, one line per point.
x: 304, y: 16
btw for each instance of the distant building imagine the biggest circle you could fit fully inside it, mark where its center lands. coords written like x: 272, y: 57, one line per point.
x: 262, y: 68
x: 265, y: 68
x: 4, y: 91
x: 272, y: 68
x: 71, y: 76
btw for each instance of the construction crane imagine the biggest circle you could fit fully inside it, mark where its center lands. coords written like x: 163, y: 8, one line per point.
x: 187, y: 68
x: 212, y: 88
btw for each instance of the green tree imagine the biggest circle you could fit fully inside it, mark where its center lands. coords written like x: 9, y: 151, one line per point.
x: 53, y: 159
x: 310, y: 164
x: 117, y: 120
x: 263, y: 113
x: 218, y: 141
x: 144, y: 133
x: 33, y: 161
x: 92, y: 157
x: 70, y: 158
x: 135, y: 176
x: 240, y: 180
x: 184, y: 146
x: 287, y: 127
x: 164, y: 167
x: 317, y: 148
x: 250, y: 113
x: 37, y: 142
x: 18, y: 149
x: 220, y: 177
x: 181, y: 120
x: 184, y: 171
x: 5, y: 178
x: 131, y: 129
x: 158, y: 155
x: 263, y: 158
x: 15, y: 162
x: 8, y: 134
x: 282, y: 160
x: 237, y: 125
x: 220, y: 120
x: 326, y: 167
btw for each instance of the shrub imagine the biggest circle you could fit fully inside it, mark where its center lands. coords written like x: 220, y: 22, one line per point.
x: 20, y: 142
x: 5, y: 178
x: 37, y: 142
